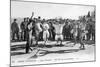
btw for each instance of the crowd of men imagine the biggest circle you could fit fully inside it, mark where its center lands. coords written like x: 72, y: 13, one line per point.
x: 52, y: 29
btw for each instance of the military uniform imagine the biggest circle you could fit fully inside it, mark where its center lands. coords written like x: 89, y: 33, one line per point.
x: 15, y: 30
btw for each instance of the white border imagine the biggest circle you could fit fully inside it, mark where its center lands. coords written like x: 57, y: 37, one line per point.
x: 5, y: 34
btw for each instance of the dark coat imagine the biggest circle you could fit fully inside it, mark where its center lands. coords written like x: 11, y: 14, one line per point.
x: 14, y: 27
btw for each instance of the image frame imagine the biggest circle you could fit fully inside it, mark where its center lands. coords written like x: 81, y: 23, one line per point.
x: 60, y: 4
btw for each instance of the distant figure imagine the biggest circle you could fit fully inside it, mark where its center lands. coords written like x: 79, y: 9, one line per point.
x: 38, y: 29
x: 66, y: 31
x: 58, y: 31
x: 74, y: 31
x: 26, y: 31
x: 82, y: 32
x: 22, y: 26
x: 52, y: 31
x: 15, y: 30
x: 91, y: 30
x: 45, y: 31
x: 29, y: 37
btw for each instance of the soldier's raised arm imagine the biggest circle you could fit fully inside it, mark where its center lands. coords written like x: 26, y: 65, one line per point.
x: 32, y: 15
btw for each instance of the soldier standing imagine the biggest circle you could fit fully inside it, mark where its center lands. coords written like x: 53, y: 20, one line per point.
x: 22, y: 26
x: 28, y: 33
x: 15, y: 30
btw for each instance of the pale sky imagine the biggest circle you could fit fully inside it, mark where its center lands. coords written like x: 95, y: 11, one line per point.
x: 47, y: 10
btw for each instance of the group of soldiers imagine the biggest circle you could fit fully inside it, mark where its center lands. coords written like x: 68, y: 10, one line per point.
x: 52, y: 29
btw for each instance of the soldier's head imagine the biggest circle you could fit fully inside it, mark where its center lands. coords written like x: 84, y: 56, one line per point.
x: 24, y: 19
x: 34, y: 19
x: 15, y: 20
x: 27, y: 19
x: 39, y: 17
x: 43, y: 20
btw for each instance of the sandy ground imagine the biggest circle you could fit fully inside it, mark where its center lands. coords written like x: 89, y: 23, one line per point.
x: 54, y: 54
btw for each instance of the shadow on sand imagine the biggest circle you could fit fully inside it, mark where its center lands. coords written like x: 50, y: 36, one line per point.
x: 45, y: 52
x: 17, y: 53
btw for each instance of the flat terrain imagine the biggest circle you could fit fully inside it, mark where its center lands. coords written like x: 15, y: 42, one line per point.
x: 51, y: 53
